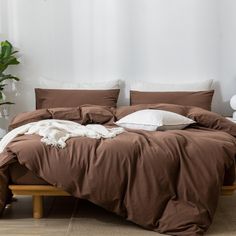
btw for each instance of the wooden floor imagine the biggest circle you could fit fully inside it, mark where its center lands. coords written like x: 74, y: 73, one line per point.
x: 68, y: 216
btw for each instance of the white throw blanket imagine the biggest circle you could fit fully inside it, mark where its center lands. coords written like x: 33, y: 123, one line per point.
x: 57, y: 132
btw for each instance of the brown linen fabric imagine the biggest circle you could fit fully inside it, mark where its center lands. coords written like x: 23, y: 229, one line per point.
x: 28, y: 117
x: 72, y: 113
x: 202, y: 99
x: 166, y: 181
x: 52, y: 98
x: 4, y: 182
x: 82, y: 114
x: 212, y: 120
x: 19, y: 174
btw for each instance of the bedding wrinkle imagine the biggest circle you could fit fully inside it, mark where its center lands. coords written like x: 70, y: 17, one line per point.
x: 165, y: 181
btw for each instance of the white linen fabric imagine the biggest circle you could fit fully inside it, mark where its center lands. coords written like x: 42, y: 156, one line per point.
x: 103, y: 85
x: 57, y: 132
x: 172, y: 87
x: 151, y: 120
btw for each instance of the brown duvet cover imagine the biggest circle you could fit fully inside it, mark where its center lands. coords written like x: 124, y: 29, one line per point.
x: 20, y: 175
x: 167, y: 181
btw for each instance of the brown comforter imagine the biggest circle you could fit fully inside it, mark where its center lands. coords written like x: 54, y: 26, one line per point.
x: 167, y: 181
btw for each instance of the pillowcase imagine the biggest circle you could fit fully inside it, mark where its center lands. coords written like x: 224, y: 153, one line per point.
x: 202, y: 99
x: 86, y: 114
x: 203, y: 85
x: 151, y: 120
x: 103, y: 85
x: 27, y: 117
x: 212, y: 120
x: 53, y: 98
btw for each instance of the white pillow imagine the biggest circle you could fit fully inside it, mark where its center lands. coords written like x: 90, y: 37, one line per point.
x: 51, y: 84
x: 151, y: 120
x: 203, y: 85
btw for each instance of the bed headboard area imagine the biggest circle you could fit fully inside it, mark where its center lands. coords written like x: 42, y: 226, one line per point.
x: 95, y: 41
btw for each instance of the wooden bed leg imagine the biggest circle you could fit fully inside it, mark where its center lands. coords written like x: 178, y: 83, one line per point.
x: 37, y: 192
x: 37, y: 206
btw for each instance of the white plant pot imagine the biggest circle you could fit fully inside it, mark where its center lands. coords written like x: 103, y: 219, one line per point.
x: 2, y: 133
x: 234, y: 116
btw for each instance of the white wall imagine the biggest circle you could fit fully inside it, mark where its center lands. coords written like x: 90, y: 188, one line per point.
x: 69, y: 40
x: 227, y: 52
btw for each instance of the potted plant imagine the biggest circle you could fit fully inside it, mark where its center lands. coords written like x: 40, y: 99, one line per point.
x: 7, y: 58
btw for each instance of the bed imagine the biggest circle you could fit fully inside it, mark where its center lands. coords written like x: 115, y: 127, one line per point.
x: 166, y: 181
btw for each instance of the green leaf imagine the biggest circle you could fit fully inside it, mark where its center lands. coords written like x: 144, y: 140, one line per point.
x: 7, y: 58
x: 13, y: 77
x: 11, y: 60
x: 2, y: 86
x: 6, y: 49
x: 2, y: 67
x: 6, y: 103
x: 6, y: 77
x: 14, y: 52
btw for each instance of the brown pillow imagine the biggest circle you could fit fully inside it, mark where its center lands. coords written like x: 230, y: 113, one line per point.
x: 68, y: 113
x: 84, y: 114
x: 27, y: 117
x: 52, y: 98
x: 212, y: 120
x: 201, y: 99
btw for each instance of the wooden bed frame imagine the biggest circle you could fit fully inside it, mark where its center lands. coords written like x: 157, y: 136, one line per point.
x: 38, y: 191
